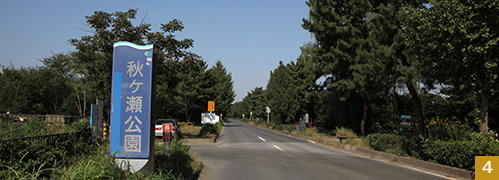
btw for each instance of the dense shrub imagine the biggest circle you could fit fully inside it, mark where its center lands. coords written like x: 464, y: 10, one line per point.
x: 344, y: 132
x: 459, y: 154
x: 456, y: 153
x: 183, y: 163
x: 384, y: 142
x: 24, y: 156
x: 214, y: 129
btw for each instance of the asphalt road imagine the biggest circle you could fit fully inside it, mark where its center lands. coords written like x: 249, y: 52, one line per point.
x: 249, y: 152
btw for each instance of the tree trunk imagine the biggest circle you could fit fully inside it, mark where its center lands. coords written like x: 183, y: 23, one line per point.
x: 484, y: 113
x: 414, y: 96
x: 187, y: 109
x: 417, y: 104
x: 78, y: 105
x: 364, y: 117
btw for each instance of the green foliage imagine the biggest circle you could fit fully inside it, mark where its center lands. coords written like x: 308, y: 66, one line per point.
x: 39, y: 157
x: 255, y: 103
x: 456, y: 45
x: 384, y: 142
x: 37, y: 90
x: 214, y: 129
x: 69, y: 82
x: 453, y: 145
x: 76, y: 158
x: 282, y: 96
x: 183, y: 163
x: 344, y: 132
x: 459, y: 153
x: 221, y: 88
x: 190, y: 94
x: 237, y: 110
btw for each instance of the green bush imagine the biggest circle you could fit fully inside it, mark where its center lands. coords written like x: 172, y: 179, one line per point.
x: 183, y: 163
x: 344, y: 132
x: 30, y: 156
x: 290, y: 127
x: 385, y: 142
x: 459, y: 154
x: 455, y: 153
x: 214, y: 129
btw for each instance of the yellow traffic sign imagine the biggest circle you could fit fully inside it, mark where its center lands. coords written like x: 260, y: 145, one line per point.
x: 211, y: 106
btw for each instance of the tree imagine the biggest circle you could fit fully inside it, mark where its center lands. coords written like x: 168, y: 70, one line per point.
x: 94, y: 55
x: 191, y: 91
x: 281, y: 95
x: 457, y: 45
x: 62, y: 64
x: 358, y: 48
x: 33, y: 91
x: 341, y: 31
x: 222, y: 88
x: 255, y: 101
x: 304, y: 74
x: 237, y: 110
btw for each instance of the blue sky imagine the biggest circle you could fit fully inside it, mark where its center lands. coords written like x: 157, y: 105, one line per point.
x: 249, y: 37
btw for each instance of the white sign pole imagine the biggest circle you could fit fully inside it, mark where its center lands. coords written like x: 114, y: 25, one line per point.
x: 268, y: 113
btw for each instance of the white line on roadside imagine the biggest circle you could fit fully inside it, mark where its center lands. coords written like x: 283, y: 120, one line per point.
x: 261, y: 138
x: 277, y: 147
x: 311, y: 141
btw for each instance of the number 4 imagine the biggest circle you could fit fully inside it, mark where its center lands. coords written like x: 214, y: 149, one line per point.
x: 487, y: 167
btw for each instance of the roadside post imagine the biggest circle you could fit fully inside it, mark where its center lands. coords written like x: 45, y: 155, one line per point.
x: 167, y: 137
x: 133, y: 106
x: 96, y: 119
x: 405, y: 123
x: 267, y: 109
x: 301, y: 125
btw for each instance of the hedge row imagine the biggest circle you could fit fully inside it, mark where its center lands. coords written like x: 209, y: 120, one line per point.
x: 454, y: 153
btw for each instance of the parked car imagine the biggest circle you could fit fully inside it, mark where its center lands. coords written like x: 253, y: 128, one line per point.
x: 159, y: 127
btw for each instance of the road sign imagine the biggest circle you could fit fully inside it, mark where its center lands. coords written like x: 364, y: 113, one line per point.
x: 132, y: 110
x: 405, y: 123
x: 405, y: 116
x: 167, y: 132
x: 267, y: 109
x: 211, y: 106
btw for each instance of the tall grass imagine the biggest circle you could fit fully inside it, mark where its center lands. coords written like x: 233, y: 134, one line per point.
x: 78, y: 159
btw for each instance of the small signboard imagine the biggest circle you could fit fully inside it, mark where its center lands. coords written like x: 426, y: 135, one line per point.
x: 405, y: 116
x: 209, y: 118
x: 167, y: 132
x: 211, y: 106
x: 405, y: 123
x: 267, y: 109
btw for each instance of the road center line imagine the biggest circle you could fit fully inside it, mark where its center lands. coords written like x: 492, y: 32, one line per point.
x: 277, y: 147
x: 261, y: 138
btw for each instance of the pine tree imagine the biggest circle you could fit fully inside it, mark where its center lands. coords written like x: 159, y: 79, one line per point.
x: 222, y: 88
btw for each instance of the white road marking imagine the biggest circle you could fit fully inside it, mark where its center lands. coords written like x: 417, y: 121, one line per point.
x: 261, y: 138
x: 277, y: 147
x: 311, y: 141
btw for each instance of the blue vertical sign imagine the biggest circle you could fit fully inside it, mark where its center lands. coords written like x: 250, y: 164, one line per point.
x: 131, y: 102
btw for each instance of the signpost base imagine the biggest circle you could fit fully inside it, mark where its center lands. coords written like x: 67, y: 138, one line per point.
x: 133, y: 165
